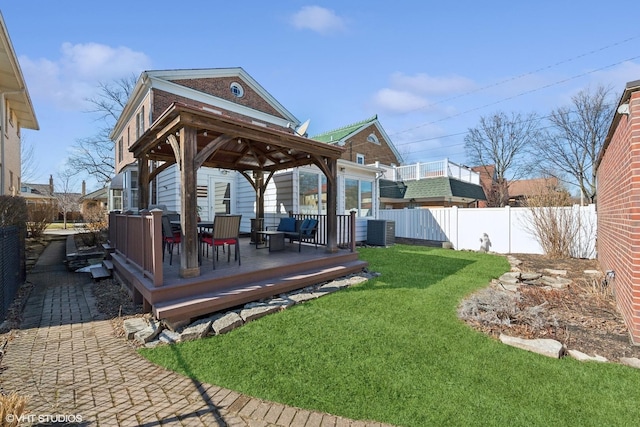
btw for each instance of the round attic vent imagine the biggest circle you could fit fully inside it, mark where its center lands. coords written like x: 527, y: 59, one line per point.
x: 236, y: 89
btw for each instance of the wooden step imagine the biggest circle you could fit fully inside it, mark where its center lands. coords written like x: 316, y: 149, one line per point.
x: 108, y: 264
x: 211, y: 302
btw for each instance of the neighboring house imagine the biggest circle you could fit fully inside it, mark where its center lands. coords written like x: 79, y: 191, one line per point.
x: 38, y: 194
x: 433, y: 184
x: 618, y: 207
x: 488, y: 182
x: 97, y: 200
x: 366, y: 142
x: 16, y: 113
x: 521, y: 189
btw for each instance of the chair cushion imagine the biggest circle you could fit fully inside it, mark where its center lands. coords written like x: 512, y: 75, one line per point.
x: 305, y: 224
x: 287, y: 224
x: 308, y: 230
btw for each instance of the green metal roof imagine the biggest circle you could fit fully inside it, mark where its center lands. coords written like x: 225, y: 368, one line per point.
x: 431, y: 188
x: 338, y: 134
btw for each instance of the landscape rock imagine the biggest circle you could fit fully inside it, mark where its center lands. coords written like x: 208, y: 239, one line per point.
x: 196, y: 330
x: 169, y: 337
x: 555, y: 272
x: 544, y: 346
x: 592, y: 272
x: 583, y: 357
x: 149, y: 333
x: 302, y: 297
x: 555, y: 282
x: 133, y: 325
x: 226, y: 323
x: 633, y: 362
x: 530, y: 276
x: 249, y: 314
x: 512, y: 277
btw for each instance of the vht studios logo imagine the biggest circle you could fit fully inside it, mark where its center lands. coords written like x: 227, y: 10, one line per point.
x: 43, y: 418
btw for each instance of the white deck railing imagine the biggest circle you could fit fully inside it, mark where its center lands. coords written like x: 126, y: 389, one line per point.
x: 434, y: 169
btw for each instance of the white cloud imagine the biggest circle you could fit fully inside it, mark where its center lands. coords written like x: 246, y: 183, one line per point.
x: 398, y: 101
x: 424, y: 83
x: 318, y: 19
x: 70, y: 79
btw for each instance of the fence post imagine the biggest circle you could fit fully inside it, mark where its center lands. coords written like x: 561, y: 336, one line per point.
x: 352, y: 230
x: 156, y: 246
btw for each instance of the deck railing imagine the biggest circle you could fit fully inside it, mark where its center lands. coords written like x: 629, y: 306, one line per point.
x: 444, y: 167
x: 346, y: 225
x: 138, y: 240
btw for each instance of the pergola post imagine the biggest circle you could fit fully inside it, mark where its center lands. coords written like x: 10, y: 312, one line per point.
x: 332, y: 205
x: 189, y: 266
x: 258, y: 178
x: 143, y: 183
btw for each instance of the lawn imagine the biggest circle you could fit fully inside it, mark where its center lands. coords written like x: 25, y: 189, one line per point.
x: 393, y: 350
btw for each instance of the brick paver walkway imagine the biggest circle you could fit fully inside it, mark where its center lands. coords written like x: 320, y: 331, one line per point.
x: 66, y: 358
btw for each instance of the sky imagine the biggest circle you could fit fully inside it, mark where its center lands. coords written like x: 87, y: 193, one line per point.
x: 429, y: 70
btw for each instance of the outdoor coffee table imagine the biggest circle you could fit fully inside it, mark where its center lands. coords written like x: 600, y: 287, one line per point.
x: 274, y: 240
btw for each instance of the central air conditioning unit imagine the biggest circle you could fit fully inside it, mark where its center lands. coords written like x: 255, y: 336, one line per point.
x: 381, y: 232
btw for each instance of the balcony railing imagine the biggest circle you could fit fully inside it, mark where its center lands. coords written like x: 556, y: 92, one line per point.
x: 440, y: 168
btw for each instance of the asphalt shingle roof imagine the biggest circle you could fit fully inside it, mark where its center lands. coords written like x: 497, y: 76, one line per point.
x: 336, y: 135
x: 439, y: 187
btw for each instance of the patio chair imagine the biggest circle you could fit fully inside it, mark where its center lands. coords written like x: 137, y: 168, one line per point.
x: 169, y: 238
x: 226, y: 231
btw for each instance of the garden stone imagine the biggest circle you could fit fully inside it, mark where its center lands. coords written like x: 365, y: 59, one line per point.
x: 510, y: 277
x: 249, y: 314
x: 555, y: 272
x: 530, y: 276
x: 300, y: 298
x: 583, y: 357
x: 633, y: 362
x: 592, y: 272
x: 152, y: 344
x: 555, y: 282
x: 131, y: 326
x: 543, y: 346
x: 281, y: 302
x: 196, y: 330
x: 149, y: 333
x: 170, y: 337
x: 226, y: 323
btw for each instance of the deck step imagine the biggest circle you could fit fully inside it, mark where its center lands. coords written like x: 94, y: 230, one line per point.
x: 211, y: 302
x: 100, y: 272
x: 108, y: 264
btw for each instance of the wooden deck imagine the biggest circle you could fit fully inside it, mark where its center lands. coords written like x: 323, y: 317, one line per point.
x: 261, y: 275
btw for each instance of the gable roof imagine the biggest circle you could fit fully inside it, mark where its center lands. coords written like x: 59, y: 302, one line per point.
x: 12, y: 82
x: 340, y: 135
x: 168, y: 81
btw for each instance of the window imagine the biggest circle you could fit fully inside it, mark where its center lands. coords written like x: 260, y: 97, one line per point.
x: 312, y: 193
x: 140, y: 123
x: 373, y: 138
x: 120, y: 152
x: 358, y: 197
x: 360, y: 159
x: 236, y: 90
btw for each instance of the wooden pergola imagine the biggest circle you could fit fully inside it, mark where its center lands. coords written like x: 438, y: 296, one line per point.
x: 192, y: 137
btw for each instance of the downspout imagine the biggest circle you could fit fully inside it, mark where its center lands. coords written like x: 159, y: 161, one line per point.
x: 3, y: 124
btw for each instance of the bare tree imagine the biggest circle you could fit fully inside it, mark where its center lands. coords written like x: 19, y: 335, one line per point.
x: 499, y: 144
x: 28, y: 163
x: 68, y: 201
x: 571, y: 146
x: 94, y: 155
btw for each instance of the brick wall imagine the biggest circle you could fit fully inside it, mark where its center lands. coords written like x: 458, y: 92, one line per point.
x: 372, y: 152
x: 618, y: 206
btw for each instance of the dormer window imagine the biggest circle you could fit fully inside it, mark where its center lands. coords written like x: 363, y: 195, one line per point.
x: 373, y: 138
x: 236, y: 90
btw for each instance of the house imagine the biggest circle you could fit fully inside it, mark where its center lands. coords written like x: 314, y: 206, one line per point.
x: 16, y: 112
x: 210, y: 142
x: 95, y: 201
x: 67, y: 203
x: 618, y: 207
x: 521, y: 189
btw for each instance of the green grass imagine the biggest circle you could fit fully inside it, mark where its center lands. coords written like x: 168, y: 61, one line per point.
x: 393, y: 350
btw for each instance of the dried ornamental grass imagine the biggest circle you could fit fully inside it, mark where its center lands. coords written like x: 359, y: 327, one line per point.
x: 12, y: 407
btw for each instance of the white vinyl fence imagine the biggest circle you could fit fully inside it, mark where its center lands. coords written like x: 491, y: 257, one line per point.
x: 509, y: 229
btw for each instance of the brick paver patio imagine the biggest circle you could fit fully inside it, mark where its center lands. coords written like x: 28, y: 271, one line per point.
x: 66, y: 358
